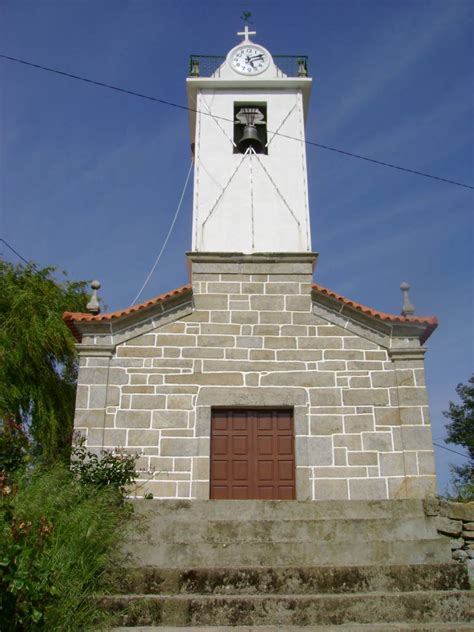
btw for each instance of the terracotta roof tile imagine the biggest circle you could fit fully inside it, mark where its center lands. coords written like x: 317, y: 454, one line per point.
x: 71, y: 318
x: 431, y: 322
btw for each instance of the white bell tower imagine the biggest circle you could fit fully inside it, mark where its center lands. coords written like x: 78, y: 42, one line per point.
x: 247, y: 128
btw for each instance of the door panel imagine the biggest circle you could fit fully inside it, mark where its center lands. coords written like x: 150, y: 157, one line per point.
x: 252, y: 454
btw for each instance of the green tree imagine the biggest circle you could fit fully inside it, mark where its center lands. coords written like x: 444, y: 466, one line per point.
x: 38, y: 369
x: 461, y: 431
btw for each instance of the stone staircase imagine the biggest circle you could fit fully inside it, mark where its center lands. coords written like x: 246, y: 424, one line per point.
x: 290, y: 565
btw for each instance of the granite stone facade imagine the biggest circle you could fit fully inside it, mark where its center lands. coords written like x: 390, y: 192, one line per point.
x: 254, y: 332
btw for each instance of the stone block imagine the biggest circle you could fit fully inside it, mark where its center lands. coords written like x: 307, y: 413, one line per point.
x: 85, y: 418
x: 133, y: 419
x: 96, y: 375
x: 145, y: 340
x: 278, y: 317
x: 357, y: 365
x: 220, y: 317
x: 249, y: 342
x: 173, y: 328
x: 332, y: 365
x: 359, y: 382
x: 143, y: 437
x: 303, y: 483
x: 416, y: 437
x: 148, y: 402
x: 253, y: 288
x: 332, y: 330
x: 201, y: 352
x: 383, y: 378
x: 169, y: 419
x: 325, y: 397
x: 356, y: 342
x: 365, y: 397
x: 378, y: 441
x: 411, y: 486
x: 267, y: 303
x: 426, y: 463
x: 211, y: 301
x: 223, y: 288
x: 201, y: 468
x: 313, y: 451
x: 308, y: 355
x: 176, y: 340
x: 282, y: 288
x: 262, y: 354
x: 330, y: 490
x: 298, y: 378
x: 139, y: 378
x: 294, y: 330
x: 340, y: 456
x: 326, y: 424
x: 215, y: 341
x: 138, y: 352
x: 252, y: 379
x: 448, y: 526
x: 367, y: 489
x: 299, y: 303
x: 161, y: 489
x: 106, y: 438
x: 243, y: 317
x: 392, y: 464
x: 200, y: 490
x: 138, y: 389
x: 236, y: 354
x: 362, y: 458
x: 223, y: 379
x: 358, y: 423
x: 242, y: 365
x: 82, y: 396
x: 280, y: 342
x: 343, y: 354
x: 179, y: 402
x: 412, y: 396
x: 457, y: 511
x: 198, y: 316
x: 387, y: 416
x: 247, y: 396
x: 118, y: 376
x: 349, y: 441
x: 180, y: 447
x: 312, y: 342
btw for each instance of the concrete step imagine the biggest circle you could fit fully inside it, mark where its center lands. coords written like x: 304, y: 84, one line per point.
x: 382, y: 607
x: 290, y: 553
x: 291, y: 580
x: 192, y: 510
x: 236, y: 530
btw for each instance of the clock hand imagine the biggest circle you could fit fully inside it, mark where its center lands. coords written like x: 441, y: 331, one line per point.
x: 255, y: 57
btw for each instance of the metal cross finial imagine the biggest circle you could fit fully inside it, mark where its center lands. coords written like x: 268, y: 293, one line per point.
x: 93, y: 305
x: 246, y: 33
x: 407, y: 309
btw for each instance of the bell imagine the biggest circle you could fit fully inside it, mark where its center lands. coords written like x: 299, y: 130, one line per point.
x: 250, y: 139
x: 250, y: 117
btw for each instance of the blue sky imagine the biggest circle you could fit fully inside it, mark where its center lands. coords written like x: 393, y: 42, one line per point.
x: 90, y: 179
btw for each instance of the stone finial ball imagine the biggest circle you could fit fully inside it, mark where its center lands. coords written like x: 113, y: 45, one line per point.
x: 405, y: 286
x: 95, y: 285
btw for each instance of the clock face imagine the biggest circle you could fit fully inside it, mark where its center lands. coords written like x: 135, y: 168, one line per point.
x: 249, y: 59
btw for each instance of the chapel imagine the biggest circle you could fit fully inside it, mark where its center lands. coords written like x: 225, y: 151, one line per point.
x: 253, y: 381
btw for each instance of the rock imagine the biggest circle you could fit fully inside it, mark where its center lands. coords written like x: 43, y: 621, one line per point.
x: 468, y: 526
x: 460, y: 555
x: 457, y: 543
x: 448, y: 526
x: 457, y: 511
x: 431, y: 506
x: 468, y: 535
x: 470, y: 553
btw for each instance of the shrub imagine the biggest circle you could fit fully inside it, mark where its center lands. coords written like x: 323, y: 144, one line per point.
x: 58, y: 538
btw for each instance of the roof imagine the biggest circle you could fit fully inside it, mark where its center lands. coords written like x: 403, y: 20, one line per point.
x: 431, y: 322
x: 73, y: 318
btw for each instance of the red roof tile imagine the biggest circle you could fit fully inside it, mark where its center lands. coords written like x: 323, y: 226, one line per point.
x: 70, y: 318
x: 431, y: 322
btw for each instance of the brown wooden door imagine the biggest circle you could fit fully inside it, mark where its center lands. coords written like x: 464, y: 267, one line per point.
x: 252, y: 454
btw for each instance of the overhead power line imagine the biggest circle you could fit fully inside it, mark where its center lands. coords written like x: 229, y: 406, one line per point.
x: 184, y: 107
x: 443, y: 447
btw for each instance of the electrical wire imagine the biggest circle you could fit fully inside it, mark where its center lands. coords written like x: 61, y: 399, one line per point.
x: 184, y: 107
x: 438, y: 445
x: 157, y: 260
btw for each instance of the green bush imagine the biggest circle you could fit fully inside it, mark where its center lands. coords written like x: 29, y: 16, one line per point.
x: 58, y: 538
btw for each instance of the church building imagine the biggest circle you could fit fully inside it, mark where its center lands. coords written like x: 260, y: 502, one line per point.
x: 253, y: 381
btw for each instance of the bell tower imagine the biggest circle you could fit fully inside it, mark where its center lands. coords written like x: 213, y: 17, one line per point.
x: 247, y: 130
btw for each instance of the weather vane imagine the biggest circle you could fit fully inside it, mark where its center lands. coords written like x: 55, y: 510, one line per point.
x: 246, y: 15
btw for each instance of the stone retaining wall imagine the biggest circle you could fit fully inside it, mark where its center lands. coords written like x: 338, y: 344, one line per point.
x: 254, y: 337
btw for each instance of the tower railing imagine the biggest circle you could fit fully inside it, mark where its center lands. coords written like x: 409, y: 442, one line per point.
x: 210, y: 65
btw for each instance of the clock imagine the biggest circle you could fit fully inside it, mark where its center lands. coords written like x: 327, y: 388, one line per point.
x: 249, y: 59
